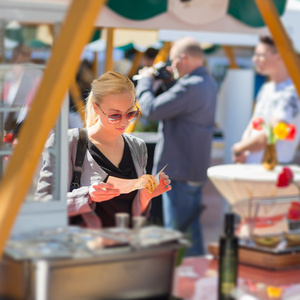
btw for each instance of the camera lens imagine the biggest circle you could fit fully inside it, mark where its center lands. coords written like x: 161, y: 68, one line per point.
x: 161, y: 72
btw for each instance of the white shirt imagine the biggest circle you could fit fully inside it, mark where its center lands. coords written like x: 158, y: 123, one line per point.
x: 278, y: 101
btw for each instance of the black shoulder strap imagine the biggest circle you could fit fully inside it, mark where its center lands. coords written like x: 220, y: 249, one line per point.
x: 80, y: 154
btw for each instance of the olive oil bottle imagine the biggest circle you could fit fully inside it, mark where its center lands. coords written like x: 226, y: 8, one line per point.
x: 228, y: 260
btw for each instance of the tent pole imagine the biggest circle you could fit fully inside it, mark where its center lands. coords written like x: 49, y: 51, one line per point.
x: 95, y: 64
x: 163, y: 53
x: 109, y: 66
x: 230, y: 55
x: 135, y: 64
x: 45, y: 108
x: 77, y: 99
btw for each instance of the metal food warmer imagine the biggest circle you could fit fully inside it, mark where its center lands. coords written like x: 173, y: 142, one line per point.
x: 79, y: 264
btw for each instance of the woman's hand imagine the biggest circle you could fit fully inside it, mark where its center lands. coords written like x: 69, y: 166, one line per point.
x: 102, y: 192
x: 164, y: 186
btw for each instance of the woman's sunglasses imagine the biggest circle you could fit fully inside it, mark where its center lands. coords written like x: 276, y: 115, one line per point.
x: 116, y: 118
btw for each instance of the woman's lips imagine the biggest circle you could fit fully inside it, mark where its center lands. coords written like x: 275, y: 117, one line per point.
x: 121, y: 128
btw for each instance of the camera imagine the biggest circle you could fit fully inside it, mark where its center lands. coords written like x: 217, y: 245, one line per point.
x: 160, y: 71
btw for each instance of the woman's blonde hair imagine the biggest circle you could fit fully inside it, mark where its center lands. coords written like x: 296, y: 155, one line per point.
x: 107, y: 84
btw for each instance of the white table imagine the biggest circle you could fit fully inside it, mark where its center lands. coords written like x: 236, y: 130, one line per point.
x: 239, y: 183
x: 244, y: 181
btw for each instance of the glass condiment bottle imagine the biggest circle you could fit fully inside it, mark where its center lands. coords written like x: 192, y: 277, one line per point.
x: 228, y: 260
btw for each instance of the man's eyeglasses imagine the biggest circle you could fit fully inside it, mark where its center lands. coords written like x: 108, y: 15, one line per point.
x: 262, y: 55
x: 116, y: 118
x: 259, y: 55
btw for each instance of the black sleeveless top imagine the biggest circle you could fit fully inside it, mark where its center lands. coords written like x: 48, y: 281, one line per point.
x: 123, y: 203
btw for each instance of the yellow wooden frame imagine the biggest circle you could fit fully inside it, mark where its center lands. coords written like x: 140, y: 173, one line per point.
x: 59, y: 73
x: 135, y: 64
x: 109, y: 64
x: 57, y: 78
x: 77, y: 99
x: 229, y: 51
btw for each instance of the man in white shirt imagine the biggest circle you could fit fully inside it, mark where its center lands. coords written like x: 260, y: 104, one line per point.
x: 277, y: 101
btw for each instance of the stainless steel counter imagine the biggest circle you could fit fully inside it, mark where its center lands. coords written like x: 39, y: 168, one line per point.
x: 141, y: 267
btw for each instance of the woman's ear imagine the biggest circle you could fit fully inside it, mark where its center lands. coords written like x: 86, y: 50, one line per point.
x: 95, y: 106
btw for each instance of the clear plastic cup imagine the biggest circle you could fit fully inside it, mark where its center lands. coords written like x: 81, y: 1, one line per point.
x: 122, y: 220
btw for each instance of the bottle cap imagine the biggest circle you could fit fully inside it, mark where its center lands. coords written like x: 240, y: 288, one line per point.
x: 229, y: 223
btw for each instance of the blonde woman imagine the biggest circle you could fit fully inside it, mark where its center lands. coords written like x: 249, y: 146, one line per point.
x: 110, y: 108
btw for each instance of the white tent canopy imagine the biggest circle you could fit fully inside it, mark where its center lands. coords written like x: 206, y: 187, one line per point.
x: 52, y: 11
x: 215, y: 27
x: 232, y: 39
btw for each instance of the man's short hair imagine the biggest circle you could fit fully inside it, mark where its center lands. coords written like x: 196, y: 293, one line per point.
x: 194, y: 50
x: 268, y: 40
x: 151, y: 53
x: 189, y: 46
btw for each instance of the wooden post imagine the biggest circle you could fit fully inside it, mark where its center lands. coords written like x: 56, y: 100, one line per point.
x: 230, y: 55
x: 135, y: 64
x: 163, y: 53
x: 281, y: 39
x: 95, y: 64
x: 77, y: 99
x: 109, y: 66
x: 45, y: 108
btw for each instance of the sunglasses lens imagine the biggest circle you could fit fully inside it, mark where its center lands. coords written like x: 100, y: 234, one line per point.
x: 115, y: 118
x: 131, y: 116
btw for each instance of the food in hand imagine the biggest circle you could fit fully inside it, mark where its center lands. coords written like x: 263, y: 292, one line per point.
x: 151, y: 184
x: 147, y: 181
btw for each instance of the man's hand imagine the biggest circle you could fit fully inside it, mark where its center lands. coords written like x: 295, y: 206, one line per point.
x: 238, y: 156
x: 146, y: 72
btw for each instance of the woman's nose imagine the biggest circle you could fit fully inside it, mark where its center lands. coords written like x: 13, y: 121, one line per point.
x: 124, y: 120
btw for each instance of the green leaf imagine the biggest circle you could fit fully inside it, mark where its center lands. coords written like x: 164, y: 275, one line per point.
x: 180, y: 256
